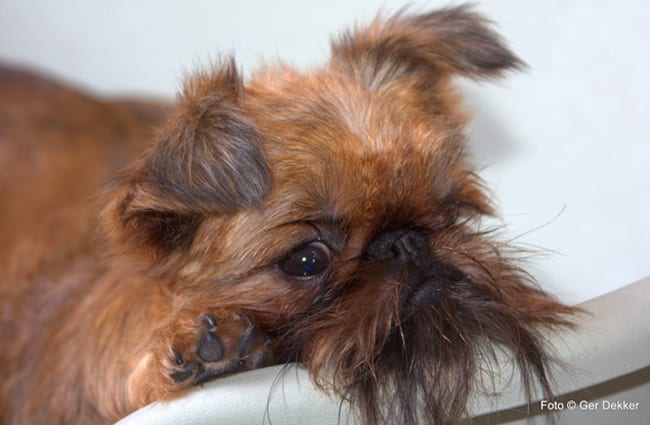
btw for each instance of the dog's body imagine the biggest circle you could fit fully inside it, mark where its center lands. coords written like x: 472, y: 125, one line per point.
x: 58, y: 149
x: 327, y: 218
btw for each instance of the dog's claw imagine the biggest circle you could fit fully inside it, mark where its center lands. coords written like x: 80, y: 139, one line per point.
x: 210, y: 322
x: 178, y: 358
x: 247, y: 343
x: 186, y: 372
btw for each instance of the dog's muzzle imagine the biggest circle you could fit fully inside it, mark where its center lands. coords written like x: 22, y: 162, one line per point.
x: 406, y: 253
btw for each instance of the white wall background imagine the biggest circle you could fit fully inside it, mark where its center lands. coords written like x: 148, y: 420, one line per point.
x: 566, y: 145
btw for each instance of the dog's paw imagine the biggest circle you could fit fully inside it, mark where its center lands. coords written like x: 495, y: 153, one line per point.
x: 217, y: 346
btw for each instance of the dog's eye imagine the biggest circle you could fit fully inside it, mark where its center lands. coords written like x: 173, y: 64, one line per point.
x: 307, y: 261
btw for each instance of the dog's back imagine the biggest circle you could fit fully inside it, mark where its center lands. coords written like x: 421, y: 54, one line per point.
x: 58, y: 147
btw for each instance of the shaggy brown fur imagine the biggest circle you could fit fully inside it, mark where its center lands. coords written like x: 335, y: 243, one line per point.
x: 328, y: 218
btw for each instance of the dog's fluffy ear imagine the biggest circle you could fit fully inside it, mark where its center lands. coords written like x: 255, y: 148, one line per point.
x: 428, y: 46
x: 208, y: 160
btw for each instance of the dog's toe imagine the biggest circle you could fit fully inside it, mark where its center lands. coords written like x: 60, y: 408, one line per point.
x: 209, y: 347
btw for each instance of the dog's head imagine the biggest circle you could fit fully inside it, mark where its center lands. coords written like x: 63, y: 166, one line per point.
x: 339, y: 210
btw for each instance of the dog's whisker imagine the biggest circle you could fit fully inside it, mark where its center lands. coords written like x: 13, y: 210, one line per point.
x: 539, y: 227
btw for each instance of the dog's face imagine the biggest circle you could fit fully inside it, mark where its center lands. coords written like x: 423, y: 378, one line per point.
x: 338, y: 209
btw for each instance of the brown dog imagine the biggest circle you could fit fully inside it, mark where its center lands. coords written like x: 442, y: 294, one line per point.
x: 328, y: 218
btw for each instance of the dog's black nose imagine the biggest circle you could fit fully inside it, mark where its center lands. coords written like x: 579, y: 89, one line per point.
x: 405, y: 245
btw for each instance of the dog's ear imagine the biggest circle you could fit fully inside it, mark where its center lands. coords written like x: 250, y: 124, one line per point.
x: 428, y: 46
x: 208, y: 160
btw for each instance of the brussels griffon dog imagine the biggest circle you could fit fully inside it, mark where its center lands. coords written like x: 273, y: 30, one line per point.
x: 329, y: 218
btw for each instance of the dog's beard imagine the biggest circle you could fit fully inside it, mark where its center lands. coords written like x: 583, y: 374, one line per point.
x: 405, y: 342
